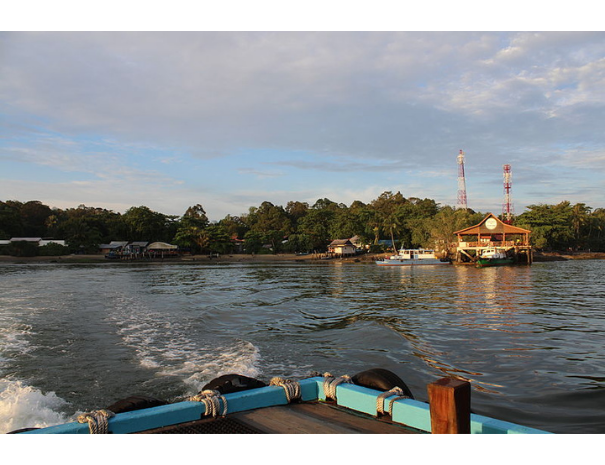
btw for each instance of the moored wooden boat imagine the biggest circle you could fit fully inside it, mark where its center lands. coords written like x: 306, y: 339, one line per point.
x: 365, y: 403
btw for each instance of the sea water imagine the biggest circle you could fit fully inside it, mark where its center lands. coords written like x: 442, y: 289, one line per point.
x: 75, y: 338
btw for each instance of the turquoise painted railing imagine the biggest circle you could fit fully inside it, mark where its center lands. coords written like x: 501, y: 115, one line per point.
x: 408, y: 412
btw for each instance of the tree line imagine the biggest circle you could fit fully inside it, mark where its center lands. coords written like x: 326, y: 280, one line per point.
x: 298, y: 227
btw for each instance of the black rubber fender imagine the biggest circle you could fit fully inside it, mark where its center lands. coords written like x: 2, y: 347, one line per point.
x: 226, y: 384
x: 381, y: 380
x: 133, y: 403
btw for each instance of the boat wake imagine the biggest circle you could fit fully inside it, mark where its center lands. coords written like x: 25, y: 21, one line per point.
x: 24, y: 406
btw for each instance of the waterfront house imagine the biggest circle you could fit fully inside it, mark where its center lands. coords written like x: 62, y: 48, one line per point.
x: 113, y: 246
x: 162, y: 249
x: 44, y: 242
x: 341, y: 247
x: 35, y: 240
x: 491, y: 232
x: 135, y: 248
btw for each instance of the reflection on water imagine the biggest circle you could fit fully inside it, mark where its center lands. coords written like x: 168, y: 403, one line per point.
x: 528, y: 338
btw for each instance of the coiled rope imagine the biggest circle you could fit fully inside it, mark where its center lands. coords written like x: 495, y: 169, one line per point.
x: 212, y: 401
x: 330, y: 384
x: 396, y: 391
x: 292, y: 388
x: 98, y: 421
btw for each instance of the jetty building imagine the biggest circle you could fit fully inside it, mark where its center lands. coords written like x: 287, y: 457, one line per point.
x: 492, y: 233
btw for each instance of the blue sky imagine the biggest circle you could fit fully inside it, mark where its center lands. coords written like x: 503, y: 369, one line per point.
x: 231, y: 119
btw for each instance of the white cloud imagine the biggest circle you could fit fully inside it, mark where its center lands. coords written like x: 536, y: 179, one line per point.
x: 167, y: 107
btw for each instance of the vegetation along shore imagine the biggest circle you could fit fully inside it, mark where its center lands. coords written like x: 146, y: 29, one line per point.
x: 278, y: 231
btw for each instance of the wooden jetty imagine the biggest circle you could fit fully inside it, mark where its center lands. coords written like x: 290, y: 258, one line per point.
x: 491, y: 233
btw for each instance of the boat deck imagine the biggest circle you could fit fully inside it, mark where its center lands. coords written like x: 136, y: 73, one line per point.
x: 301, y: 418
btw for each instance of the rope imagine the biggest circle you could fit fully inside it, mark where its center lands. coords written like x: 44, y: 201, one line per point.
x: 292, y: 388
x: 98, y: 421
x: 212, y: 401
x: 330, y: 384
x: 396, y: 391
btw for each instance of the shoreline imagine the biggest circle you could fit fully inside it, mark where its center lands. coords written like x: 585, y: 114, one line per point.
x: 246, y: 258
x: 228, y: 258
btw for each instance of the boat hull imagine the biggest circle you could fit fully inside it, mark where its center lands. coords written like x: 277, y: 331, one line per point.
x: 407, y: 262
x: 485, y: 262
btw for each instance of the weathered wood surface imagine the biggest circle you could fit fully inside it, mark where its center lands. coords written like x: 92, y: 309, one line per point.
x: 316, y: 418
x: 450, y: 406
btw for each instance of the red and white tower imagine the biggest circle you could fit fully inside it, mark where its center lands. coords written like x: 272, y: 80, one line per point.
x: 461, y: 182
x: 507, y: 206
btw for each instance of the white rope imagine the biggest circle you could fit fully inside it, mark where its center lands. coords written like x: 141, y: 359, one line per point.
x: 292, y: 388
x: 98, y: 421
x: 212, y: 401
x: 396, y: 391
x: 330, y: 384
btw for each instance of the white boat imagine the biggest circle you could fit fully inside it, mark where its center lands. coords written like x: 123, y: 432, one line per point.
x: 413, y: 257
x: 494, y: 257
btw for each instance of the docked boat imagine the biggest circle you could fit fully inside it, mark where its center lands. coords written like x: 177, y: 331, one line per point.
x: 494, y: 257
x: 413, y: 257
x: 373, y: 401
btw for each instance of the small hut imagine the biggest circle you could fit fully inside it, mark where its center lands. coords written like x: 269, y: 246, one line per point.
x: 493, y: 233
x: 341, y: 248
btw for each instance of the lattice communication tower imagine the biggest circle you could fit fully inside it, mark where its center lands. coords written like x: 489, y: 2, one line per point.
x: 461, y: 182
x: 507, y: 206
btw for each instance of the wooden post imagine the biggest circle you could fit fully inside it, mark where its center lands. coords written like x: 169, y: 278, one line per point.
x: 450, y: 406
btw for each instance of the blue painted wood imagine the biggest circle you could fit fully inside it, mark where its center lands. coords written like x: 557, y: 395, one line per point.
x: 357, y: 398
x: 181, y: 412
x: 486, y: 425
x: 139, y: 420
x: 408, y: 412
x: 413, y: 413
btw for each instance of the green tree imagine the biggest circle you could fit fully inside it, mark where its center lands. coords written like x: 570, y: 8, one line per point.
x: 271, y: 223
x: 234, y: 226
x: 219, y: 240
x: 441, y: 226
x: 145, y: 224
x: 80, y: 235
x: 34, y: 215
x: 11, y: 224
x: 551, y: 225
x: 191, y: 231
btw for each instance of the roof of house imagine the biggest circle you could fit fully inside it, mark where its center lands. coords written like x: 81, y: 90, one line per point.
x: 338, y: 242
x: 161, y: 246
x: 52, y: 241
x: 492, y: 228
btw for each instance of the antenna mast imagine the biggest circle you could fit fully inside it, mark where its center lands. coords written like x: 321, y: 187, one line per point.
x: 507, y: 206
x: 461, y: 182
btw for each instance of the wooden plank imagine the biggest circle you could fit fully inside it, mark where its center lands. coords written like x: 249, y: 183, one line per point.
x: 316, y: 418
x: 450, y: 406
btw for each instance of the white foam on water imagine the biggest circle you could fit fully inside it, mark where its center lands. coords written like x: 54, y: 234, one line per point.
x: 13, y: 339
x: 22, y: 406
x: 171, y: 349
x: 242, y: 358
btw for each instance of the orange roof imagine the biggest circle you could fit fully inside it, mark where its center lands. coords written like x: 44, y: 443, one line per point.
x: 492, y: 227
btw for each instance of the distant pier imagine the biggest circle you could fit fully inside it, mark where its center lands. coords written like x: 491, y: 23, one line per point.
x: 491, y: 233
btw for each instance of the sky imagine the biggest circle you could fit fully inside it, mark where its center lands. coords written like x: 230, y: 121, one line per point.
x: 168, y: 119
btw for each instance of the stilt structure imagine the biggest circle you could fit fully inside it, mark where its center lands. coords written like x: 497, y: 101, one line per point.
x: 491, y: 233
x: 461, y: 182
